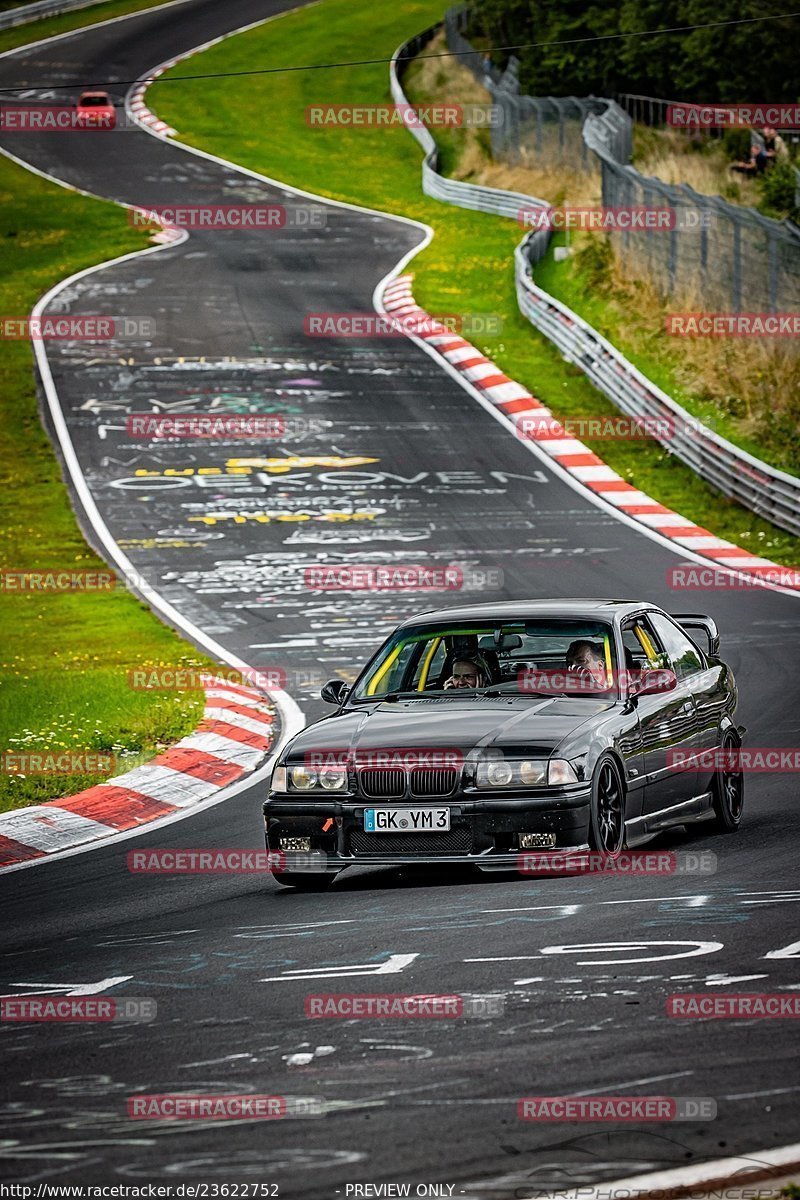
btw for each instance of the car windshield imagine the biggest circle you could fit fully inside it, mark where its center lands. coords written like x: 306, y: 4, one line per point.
x: 94, y: 101
x: 541, y: 656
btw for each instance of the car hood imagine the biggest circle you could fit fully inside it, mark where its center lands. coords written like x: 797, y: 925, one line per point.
x: 531, y: 725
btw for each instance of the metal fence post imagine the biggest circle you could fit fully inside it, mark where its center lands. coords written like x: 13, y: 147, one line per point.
x: 736, y: 267
x: 772, y: 252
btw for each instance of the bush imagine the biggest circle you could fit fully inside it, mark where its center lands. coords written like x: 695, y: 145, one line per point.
x: 777, y: 187
x: 596, y: 257
x: 736, y: 144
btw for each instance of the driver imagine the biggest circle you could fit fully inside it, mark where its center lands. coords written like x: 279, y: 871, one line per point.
x: 586, y: 660
x: 468, y: 673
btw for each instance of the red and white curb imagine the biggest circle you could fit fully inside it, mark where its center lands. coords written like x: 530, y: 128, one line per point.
x: 138, y: 108
x: 233, y: 739
x: 167, y: 234
x: 135, y: 103
x: 585, y: 467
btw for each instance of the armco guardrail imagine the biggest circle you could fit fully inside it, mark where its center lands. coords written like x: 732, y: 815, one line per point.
x: 762, y: 488
x: 451, y: 191
x: 43, y: 8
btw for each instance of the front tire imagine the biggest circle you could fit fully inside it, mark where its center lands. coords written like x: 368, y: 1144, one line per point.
x: 727, y: 789
x: 607, y: 816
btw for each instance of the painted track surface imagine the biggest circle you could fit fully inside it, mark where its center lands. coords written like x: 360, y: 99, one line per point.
x: 429, y: 1102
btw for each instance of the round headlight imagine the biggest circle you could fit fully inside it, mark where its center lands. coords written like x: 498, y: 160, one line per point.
x: 499, y: 773
x: 531, y: 771
x: 303, y: 779
x: 333, y: 779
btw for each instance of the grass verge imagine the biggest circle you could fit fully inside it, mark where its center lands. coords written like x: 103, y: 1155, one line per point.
x: 260, y: 123
x: 745, y: 390
x: 46, y: 27
x: 63, y: 674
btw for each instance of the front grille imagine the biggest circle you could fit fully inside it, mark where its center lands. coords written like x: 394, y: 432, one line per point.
x: 456, y: 841
x: 437, y: 781
x: 379, y: 783
x: 423, y: 781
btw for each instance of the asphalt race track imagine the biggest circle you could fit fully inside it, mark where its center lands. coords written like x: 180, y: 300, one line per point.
x: 389, y: 459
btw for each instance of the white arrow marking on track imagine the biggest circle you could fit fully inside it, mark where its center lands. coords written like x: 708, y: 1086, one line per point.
x: 394, y: 964
x: 790, y: 951
x: 72, y: 989
x: 719, y: 980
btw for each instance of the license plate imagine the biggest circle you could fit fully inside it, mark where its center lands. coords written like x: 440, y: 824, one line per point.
x: 406, y: 820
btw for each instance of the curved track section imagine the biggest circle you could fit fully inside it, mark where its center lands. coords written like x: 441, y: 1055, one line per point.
x: 390, y: 460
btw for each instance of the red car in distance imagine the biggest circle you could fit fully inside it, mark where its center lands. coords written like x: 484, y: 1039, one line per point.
x: 95, y: 110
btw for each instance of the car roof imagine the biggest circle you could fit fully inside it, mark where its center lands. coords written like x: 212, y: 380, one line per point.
x: 93, y: 92
x: 585, y: 608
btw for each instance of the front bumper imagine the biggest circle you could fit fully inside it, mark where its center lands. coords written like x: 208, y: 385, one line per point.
x: 484, y: 832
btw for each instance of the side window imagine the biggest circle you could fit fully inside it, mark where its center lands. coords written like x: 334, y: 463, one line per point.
x: 635, y: 657
x: 434, y: 663
x: 643, y: 650
x: 685, y: 658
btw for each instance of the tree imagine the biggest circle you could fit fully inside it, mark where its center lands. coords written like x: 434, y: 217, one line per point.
x: 728, y: 63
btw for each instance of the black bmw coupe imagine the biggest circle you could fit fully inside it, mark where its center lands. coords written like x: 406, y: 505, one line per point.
x: 478, y: 733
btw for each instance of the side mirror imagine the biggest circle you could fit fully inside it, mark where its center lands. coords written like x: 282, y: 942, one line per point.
x: 655, y: 681
x: 335, y: 691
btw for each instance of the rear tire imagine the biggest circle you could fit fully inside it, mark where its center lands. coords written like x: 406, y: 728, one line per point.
x: 607, y: 814
x: 727, y: 788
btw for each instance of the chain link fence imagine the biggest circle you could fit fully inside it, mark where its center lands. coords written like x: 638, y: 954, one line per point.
x: 719, y: 256
x: 451, y: 191
x: 529, y: 129
x: 764, y: 489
